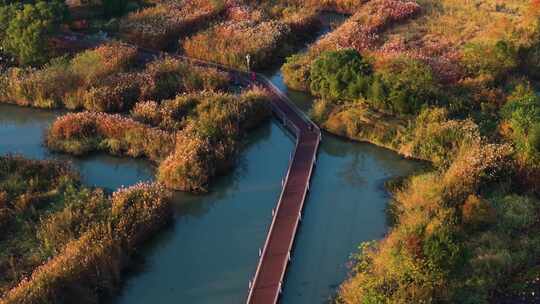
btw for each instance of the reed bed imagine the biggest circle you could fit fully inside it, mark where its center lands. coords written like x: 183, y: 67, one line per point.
x: 90, y: 266
x: 85, y: 132
x: 105, y: 79
x: 158, y: 26
x: 229, y: 43
x: 267, y: 33
x: 192, y: 138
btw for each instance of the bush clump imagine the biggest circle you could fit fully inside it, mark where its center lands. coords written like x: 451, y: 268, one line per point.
x: 521, y: 115
x: 340, y: 75
x: 26, y: 28
x: 402, y: 86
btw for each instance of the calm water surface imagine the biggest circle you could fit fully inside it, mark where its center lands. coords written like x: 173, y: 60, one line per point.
x: 22, y: 131
x: 211, y: 250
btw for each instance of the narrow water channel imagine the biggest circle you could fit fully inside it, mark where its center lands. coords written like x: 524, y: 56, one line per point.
x: 211, y: 250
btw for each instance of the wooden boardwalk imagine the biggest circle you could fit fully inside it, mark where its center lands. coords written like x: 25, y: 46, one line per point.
x: 267, y: 283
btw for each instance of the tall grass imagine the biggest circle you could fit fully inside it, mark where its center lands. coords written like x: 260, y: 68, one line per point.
x: 58, y: 83
x: 158, y: 26
x: 90, y: 266
x: 166, y: 77
x: 85, y: 132
x: 229, y: 43
x: 28, y: 190
x: 105, y: 79
x: 267, y: 32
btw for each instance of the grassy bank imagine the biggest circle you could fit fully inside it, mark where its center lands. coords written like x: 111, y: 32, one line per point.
x: 66, y: 242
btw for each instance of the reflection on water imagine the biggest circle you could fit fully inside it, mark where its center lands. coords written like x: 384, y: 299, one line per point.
x: 22, y: 131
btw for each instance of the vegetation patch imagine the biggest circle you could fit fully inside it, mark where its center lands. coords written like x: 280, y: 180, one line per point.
x: 266, y: 35
x: 360, y: 32
x: 105, y: 79
x: 66, y: 242
x: 193, y: 137
x: 158, y: 26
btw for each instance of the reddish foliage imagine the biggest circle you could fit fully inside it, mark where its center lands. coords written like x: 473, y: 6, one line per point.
x: 413, y: 244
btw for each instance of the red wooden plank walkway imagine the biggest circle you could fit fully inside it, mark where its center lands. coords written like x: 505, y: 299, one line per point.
x: 267, y: 283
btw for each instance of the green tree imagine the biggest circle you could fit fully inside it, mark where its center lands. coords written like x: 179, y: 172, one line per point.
x: 340, y: 75
x: 26, y: 29
x: 522, y: 112
x: 409, y: 85
x: 6, y: 14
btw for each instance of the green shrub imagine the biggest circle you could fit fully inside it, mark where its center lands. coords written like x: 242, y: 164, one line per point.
x: 26, y: 29
x: 493, y: 61
x: 401, y: 86
x: 522, y: 113
x: 443, y: 252
x: 340, y: 75
x: 516, y: 213
x: 404, y: 86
